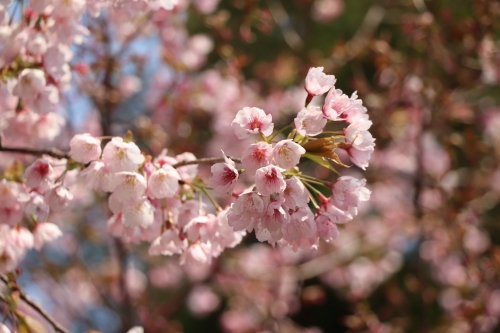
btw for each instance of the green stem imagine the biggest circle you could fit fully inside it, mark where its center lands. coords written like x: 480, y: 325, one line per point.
x: 311, y: 196
x: 214, y: 203
x: 314, y: 180
x: 277, y: 133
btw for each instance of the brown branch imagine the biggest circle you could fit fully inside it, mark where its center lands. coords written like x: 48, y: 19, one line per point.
x: 210, y: 160
x: 51, y: 152
x: 280, y: 16
x: 37, y: 307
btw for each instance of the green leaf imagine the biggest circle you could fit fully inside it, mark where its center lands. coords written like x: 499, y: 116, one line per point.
x: 321, y: 161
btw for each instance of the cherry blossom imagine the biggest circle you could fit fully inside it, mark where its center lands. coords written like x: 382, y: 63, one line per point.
x: 85, y: 148
x: 360, y: 143
x: 36, y: 173
x: 252, y: 121
x: 336, y: 104
x: 317, y: 82
x: 348, y: 192
x: 163, y: 183
x: 224, y: 176
x: 256, y: 156
x: 44, y: 233
x: 269, y: 180
x: 287, y: 153
x: 310, y: 121
x: 119, y: 155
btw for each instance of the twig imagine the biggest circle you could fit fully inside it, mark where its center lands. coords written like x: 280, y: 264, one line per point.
x: 210, y: 160
x: 360, y: 39
x: 38, y: 308
x: 281, y: 18
x: 51, y: 152
x: 126, y: 302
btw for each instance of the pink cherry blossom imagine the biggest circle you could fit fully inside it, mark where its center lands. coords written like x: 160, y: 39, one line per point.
x: 202, y: 227
x: 317, y: 82
x: 224, y: 176
x: 250, y: 121
x: 196, y: 254
x: 31, y: 82
x: 45, y: 233
x: 295, y: 194
x: 21, y: 238
x: 256, y: 156
x: 163, y: 183
x: 336, y: 103
x: 128, y: 186
x: 348, y: 192
x: 85, y: 148
x: 97, y: 177
x: 58, y: 197
x: 246, y: 211
x: 356, y: 112
x: 37, y: 207
x: 270, y: 227
x: 326, y: 227
x: 287, y: 153
x: 139, y: 213
x: 36, y: 173
x: 301, y: 224
x: 47, y: 127
x: 37, y: 45
x: 361, y: 143
x: 269, y: 180
x: 310, y: 121
x: 167, y: 244
x: 121, y: 156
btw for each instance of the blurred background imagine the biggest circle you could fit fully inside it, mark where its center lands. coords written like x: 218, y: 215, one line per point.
x: 422, y: 256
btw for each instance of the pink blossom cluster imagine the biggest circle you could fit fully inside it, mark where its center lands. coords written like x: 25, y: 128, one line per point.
x: 24, y: 209
x: 277, y: 207
x: 35, y: 56
x: 152, y: 200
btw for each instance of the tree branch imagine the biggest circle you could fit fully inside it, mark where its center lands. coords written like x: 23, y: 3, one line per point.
x: 210, y: 160
x: 37, y: 307
x: 51, y: 152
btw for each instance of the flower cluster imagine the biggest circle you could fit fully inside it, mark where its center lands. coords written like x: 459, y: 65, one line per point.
x: 153, y: 200
x: 35, y: 55
x: 24, y: 209
x: 277, y: 207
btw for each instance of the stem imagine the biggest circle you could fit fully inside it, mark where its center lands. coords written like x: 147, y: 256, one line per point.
x: 312, y: 188
x: 53, y: 152
x: 38, y: 308
x: 214, y: 203
x: 314, y: 180
x: 311, y: 196
x: 277, y: 133
x: 210, y: 160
